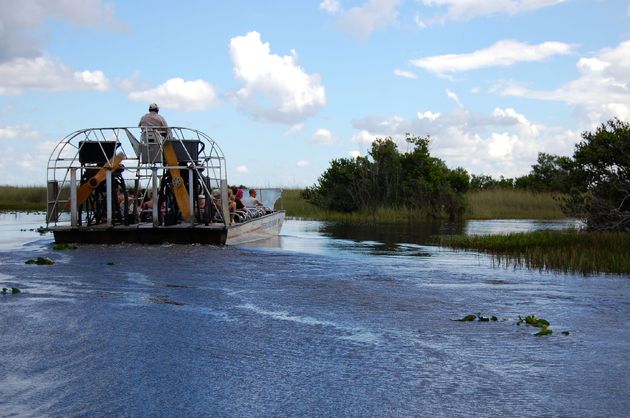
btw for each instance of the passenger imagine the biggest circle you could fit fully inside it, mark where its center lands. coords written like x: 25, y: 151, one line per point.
x: 238, y: 198
x: 152, y: 119
x: 231, y: 204
x: 251, y: 201
x: 216, y: 196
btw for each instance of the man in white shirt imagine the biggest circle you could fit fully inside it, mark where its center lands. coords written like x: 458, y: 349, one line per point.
x: 251, y: 201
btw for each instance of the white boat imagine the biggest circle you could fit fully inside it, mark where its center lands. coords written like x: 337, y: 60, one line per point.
x: 148, y: 185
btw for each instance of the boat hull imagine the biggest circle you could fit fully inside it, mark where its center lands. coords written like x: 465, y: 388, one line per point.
x: 251, y: 230
x: 255, y: 229
x: 198, y: 234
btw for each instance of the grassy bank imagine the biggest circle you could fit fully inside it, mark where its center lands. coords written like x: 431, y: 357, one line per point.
x: 22, y: 198
x: 490, y: 204
x: 567, y: 251
x: 512, y: 204
x: 493, y: 204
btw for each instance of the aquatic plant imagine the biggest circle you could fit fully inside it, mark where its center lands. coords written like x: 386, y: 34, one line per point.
x: 533, y: 321
x: 41, y: 261
x: 64, y: 246
x: 568, y: 251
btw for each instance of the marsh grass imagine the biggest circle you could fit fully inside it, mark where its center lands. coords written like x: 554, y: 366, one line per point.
x: 22, y: 198
x: 490, y: 204
x: 487, y: 204
x: 513, y: 204
x: 569, y: 251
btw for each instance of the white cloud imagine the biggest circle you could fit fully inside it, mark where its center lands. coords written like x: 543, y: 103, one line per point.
x: 503, y: 142
x: 503, y: 53
x: 323, y: 137
x: 21, y: 22
x: 276, y: 88
x: 303, y: 163
x: 354, y: 153
x: 330, y: 6
x: 178, y: 93
x: 602, y: 90
x: 428, y: 115
x: 363, y: 137
x: 405, y: 74
x: 470, y: 9
x: 47, y: 73
x: 242, y: 169
x: 18, y: 132
x: 371, y: 15
x: 453, y: 97
x: 298, y: 127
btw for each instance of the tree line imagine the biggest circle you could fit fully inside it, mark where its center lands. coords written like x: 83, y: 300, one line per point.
x: 593, y: 184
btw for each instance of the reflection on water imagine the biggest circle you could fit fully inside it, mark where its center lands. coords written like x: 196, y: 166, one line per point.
x: 324, y: 320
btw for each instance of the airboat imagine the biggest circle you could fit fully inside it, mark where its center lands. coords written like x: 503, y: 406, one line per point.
x: 148, y: 185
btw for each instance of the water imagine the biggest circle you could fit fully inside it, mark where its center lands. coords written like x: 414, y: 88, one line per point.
x: 323, y: 321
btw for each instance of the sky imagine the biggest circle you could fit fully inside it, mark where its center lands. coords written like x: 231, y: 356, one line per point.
x: 286, y: 86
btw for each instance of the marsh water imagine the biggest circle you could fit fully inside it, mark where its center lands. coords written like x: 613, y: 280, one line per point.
x: 325, y: 320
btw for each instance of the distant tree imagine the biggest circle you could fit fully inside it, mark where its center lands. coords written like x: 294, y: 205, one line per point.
x: 551, y: 173
x: 389, y: 178
x: 482, y: 182
x: 600, y: 175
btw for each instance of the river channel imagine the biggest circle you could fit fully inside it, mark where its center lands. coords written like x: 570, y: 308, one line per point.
x: 326, y: 320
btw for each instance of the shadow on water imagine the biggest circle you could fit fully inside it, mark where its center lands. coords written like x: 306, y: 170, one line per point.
x: 394, y: 239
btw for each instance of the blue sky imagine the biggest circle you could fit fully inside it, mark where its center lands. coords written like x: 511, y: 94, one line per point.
x: 284, y: 87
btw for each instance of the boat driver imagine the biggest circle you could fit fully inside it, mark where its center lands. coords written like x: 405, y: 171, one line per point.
x: 153, y: 119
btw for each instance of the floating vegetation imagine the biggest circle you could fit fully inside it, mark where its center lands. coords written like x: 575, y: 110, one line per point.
x: 530, y: 320
x: 541, y: 323
x: 478, y: 317
x: 62, y: 247
x: 13, y: 290
x: 40, y: 261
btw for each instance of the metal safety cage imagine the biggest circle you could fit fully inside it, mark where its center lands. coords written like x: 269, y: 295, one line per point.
x: 143, y: 175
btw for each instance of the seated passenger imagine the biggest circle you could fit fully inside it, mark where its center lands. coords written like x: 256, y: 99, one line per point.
x: 231, y: 204
x: 238, y: 199
x: 251, y: 201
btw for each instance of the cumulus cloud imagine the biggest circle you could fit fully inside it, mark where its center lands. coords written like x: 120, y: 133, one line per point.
x: 275, y: 88
x: 47, y: 73
x: 178, y: 93
x: 602, y: 90
x: 462, y: 10
x: 21, y: 22
x: 503, y: 53
x: 502, y: 142
x: 371, y: 15
x: 298, y: 127
x: 330, y: 6
x: 354, y: 153
x: 323, y: 137
x: 405, y: 74
x: 18, y: 132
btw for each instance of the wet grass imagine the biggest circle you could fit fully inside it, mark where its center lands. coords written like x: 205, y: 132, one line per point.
x: 513, y: 204
x: 22, y: 198
x: 569, y: 251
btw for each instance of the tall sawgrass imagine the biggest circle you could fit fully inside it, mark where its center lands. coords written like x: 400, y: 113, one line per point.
x: 571, y: 251
x: 512, y: 204
x: 22, y: 198
x: 488, y: 204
